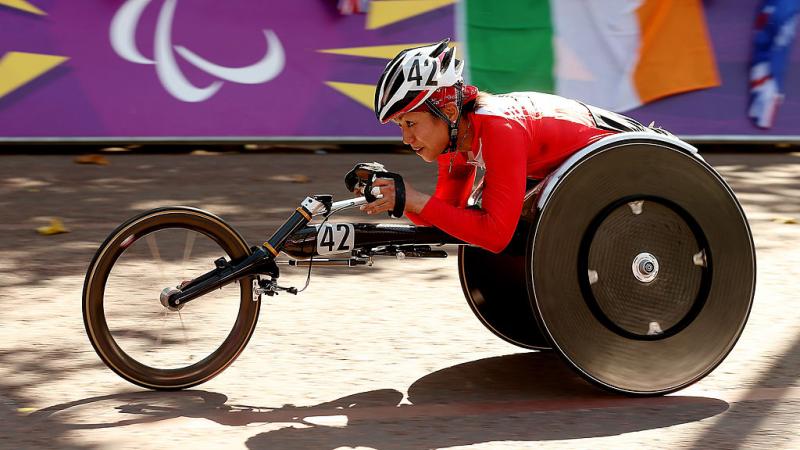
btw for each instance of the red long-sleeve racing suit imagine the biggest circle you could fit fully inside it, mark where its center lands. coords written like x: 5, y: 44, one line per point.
x: 515, y: 136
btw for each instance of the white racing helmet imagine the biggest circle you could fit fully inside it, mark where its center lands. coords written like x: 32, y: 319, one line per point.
x: 413, y: 75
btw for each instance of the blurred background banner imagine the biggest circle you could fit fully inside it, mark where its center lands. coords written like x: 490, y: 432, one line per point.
x: 201, y: 68
x: 245, y: 70
x: 616, y: 54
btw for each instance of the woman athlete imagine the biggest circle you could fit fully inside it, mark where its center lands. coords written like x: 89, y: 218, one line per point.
x: 513, y: 137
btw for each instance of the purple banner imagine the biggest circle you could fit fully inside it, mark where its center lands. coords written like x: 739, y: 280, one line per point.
x: 169, y: 68
x: 190, y: 69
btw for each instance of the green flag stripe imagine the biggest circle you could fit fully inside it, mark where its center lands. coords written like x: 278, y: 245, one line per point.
x: 510, y: 45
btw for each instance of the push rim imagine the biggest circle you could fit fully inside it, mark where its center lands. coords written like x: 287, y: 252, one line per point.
x: 652, y: 297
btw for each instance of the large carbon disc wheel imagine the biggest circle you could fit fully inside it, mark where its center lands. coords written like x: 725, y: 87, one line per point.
x: 642, y: 267
x: 143, y: 340
x: 496, y: 291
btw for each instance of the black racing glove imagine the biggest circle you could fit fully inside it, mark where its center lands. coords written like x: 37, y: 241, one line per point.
x: 363, y: 175
x: 357, y: 178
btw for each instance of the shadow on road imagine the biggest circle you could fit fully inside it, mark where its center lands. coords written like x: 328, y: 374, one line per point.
x: 520, y: 397
x: 743, y: 420
x: 16, y: 428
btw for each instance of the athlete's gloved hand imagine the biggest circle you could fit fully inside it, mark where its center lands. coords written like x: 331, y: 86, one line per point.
x: 392, y: 195
x: 360, y: 175
x: 364, y: 176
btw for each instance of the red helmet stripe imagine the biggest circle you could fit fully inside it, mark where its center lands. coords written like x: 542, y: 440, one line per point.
x: 418, y: 100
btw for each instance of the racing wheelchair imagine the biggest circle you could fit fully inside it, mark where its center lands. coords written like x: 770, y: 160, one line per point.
x: 633, y: 261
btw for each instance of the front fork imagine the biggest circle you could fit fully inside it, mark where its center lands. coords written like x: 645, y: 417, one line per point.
x: 260, y: 261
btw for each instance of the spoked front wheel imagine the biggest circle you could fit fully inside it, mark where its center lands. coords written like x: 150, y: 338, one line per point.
x: 137, y: 336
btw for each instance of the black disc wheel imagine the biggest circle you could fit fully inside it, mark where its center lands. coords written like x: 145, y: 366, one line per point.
x: 642, y: 267
x: 137, y: 336
x: 495, y: 288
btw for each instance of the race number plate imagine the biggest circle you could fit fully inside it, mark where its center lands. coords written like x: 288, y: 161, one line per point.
x: 335, y: 238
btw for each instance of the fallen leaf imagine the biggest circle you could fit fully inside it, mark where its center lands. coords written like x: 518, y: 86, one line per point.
x: 55, y: 227
x: 293, y: 178
x: 114, y: 149
x: 785, y: 220
x: 99, y: 160
x: 204, y: 153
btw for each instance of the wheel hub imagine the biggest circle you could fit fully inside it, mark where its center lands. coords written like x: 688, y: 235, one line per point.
x: 645, y: 267
x: 164, y: 298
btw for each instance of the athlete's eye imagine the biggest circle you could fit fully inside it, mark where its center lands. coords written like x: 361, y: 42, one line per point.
x: 409, y: 123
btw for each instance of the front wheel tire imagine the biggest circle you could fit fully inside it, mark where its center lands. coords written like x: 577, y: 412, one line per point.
x: 133, y: 333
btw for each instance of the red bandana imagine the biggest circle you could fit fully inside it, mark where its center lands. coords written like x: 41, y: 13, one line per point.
x: 445, y: 95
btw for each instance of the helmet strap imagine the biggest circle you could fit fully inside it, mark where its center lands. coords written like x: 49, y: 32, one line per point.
x: 452, y: 126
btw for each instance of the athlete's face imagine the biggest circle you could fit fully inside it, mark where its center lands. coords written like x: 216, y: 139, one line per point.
x: 425, y: 133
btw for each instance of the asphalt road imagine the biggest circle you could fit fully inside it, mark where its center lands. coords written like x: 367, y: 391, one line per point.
x: 388, y: 357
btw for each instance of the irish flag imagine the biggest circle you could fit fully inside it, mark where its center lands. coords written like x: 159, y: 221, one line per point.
x: 616, y: 54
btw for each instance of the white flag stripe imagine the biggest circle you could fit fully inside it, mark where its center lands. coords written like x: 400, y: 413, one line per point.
x: 596, y: 50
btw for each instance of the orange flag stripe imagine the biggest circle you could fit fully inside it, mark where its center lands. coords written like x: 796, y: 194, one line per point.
x: 676, y: 53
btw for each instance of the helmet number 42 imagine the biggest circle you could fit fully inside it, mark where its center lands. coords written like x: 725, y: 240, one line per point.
x: 415, y: 74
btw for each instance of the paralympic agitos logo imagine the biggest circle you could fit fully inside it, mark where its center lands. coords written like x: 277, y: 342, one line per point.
x: 123, y: 40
